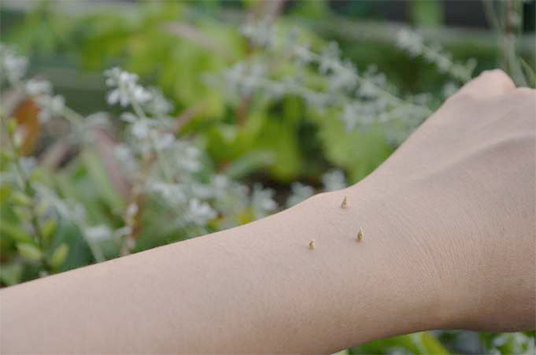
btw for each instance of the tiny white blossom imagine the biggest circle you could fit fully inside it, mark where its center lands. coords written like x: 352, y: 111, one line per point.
x: 12, y: 65
x: 449, y: 89
x: 200, y: 190
x: 140, y: 129
x: 158, y: 105
x: 262, y: 201
x: 50, y: 106
x: 125, y: 157
x: 132, y: 209
x: 334, y: 180
x: 299, y: 193
x: 413, y: 43
x: 27, y: 165
x: 97, y: 233
x: 410, y: 41
x: 97, y: 119
x: 172, y: 193
x: 187, y: 157
x: 303, y: 54
x: 164, y: 141
x: 219, y: 184
x: 199, y: 212
x: 260, y: 33
x: 125, y: 88
x: 36, y: 87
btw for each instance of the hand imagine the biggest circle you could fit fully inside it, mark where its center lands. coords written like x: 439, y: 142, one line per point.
x: 466, y: 180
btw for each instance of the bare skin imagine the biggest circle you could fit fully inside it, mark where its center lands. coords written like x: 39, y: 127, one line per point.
x: 449, y: 242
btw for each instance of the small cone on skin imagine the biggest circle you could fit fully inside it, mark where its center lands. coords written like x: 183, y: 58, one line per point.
x: 360, y: 235
x: 344, y: 203
x: 312, y: 244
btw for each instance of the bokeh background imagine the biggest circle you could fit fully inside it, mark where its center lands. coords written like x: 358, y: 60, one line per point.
x: 237, y: 109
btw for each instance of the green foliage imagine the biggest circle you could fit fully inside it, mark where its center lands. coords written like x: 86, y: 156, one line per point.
x: 426, y: 13
x: 418, y: 343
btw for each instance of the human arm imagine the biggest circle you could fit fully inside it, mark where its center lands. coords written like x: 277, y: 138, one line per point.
x: 448, y: 242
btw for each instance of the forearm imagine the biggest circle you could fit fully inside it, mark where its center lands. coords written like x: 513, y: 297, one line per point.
x: 253, y: 289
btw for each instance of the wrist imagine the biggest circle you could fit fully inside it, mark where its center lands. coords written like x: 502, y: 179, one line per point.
x: 394, y: 267
x: 435, y: 224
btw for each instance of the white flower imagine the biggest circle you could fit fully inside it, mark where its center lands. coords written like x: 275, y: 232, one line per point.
x: 97, y: 233
x: 12, y: 65
x: 187, y: 157
x: 349, y: 117
x: 329, y: 58
x: 518, y: 342
x: 199, y: 212
x: 262, y: 201
x: 50, y: 106
x: 334, y: 180
x: 97, y: 119
x: 140, y: 129
x: 244, y: 77
x: 140, y: 94
x: 64, y: 207
x: 116, y: 77
x: 449, y: 89
x: 201, y: 190
x: 220, y: 183
x: 299, y: 193
x: 27, y: 165
x: 118, y: 96
x: 260, y: 33
x: 164, y: 141
x: 414, y: 44
x: 125, y: 157
x: 303, y: 54
x: 171, y: 192
x: 126, y: 88
x: 36, y: 87
x: 132, y: 209
x: 129, y: 117
x: 410, y: 41
x: 158, y: 105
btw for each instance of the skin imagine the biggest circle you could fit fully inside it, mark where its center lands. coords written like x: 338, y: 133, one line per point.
x: 449, y: 242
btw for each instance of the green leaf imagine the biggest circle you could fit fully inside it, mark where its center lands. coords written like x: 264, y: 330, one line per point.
x: 358, y: 153
x: 29, y: 251
x: 10, y: 274
x: 97, y: 172
x: 59, y: 255
x: 21, y: 198
x: 343, y: 352
x: 248, y: 163
x: 11, y: 125
x: 429, y: 344
x: 5, y: 192
x: 279, y: 137
x: 426, y: 13
x: 48, y: 228
x: 529, y: 73
x: 418, y: 343
x: 7, y: 228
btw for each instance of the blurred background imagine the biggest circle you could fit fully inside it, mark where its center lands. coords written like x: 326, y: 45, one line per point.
x: 132, y: 124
